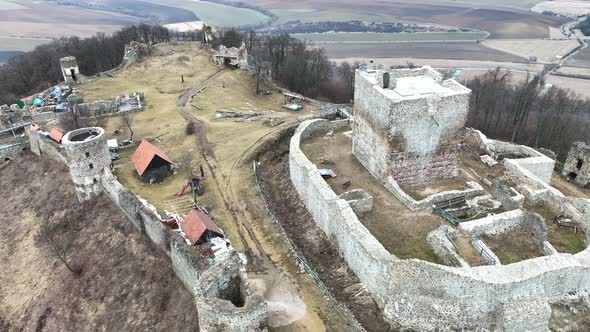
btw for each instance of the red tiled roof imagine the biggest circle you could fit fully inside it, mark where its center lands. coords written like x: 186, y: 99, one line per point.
x: 56, y: 135
x: 144, y: 154
x: 195, y: 224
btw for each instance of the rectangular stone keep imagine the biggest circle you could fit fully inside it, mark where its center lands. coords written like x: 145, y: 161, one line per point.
x: 406, y: 124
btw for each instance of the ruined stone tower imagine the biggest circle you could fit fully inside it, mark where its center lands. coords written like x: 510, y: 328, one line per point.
x: 577, y: 165
x: 69, y: 68
x: 87, y: 154
x: 406, y: 123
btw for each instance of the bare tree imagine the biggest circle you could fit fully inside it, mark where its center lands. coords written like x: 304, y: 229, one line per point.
x: 259, y: 59
x: 346, y: 72
x: 525, y: 96
x: 127, y: 120
x: 187, y: 165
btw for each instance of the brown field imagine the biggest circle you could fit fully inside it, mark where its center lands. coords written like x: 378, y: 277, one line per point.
x: 501, y: 22
x: 52, y: 30
x: 577, y: 85
x: 545, y: 50
x: 582, y: 59
x: 44, y: 19
x: 453, y: 51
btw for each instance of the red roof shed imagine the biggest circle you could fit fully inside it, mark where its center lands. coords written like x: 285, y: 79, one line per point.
x: 56, y: 135
x: 199, y: 228
x: 145, y: 153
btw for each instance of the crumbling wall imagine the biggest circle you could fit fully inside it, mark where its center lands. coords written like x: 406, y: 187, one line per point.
x: 365, y: 255
x: 13, y: 149
x: 426, y: 296
x: 44, y: 147
x: 472, y: 189
x: 120, y: 105
x: 526, y: 157
x: 226, y: 301
x: 444, y: 249
x: 46, y: 116
x: 187, y: 263
x: 577, y: 164
x: 504, y: 222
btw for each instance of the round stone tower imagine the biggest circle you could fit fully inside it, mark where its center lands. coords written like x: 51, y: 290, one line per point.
x: 69, y: 68
x: 87, y: 154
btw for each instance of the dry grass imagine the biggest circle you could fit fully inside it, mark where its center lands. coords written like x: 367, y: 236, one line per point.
x: 563, y: 239
x: 514, y: 246
x: 401, y: 231
x: 125, y: 283
x: 467, y: 250
x: 159, y: 78
x: 568, y: 188
x: 230, y: 196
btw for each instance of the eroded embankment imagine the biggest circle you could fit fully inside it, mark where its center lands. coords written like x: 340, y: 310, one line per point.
x: 124, y: 283
x: 284, y: 203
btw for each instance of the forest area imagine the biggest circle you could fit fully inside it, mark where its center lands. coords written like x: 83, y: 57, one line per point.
x: 528, y: 111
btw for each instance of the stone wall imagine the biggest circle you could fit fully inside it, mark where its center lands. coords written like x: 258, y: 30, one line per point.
x: 472, y: 189
x: 9, y: 151
x: 47, y: 115
x: 45, y: 147
x: 526, y: 157
x: 190, y: 266
x: 133, y: 102
x: 425, y: 296
x: 442, y: 246
x: 219, y: 287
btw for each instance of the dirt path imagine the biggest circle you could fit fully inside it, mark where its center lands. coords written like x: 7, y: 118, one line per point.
x: 271, y: 262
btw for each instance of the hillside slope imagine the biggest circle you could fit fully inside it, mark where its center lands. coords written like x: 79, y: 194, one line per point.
x: 125, y: 283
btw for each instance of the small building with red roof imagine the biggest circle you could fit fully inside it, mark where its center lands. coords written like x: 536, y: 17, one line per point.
x: 56, y: 135
x: 151, y: 163
x: 199, y: 228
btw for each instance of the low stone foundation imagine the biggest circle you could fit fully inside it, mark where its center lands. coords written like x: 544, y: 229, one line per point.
x: 473, y: 189
x: 360, y: 201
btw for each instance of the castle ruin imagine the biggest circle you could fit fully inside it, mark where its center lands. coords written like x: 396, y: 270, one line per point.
x: 69, y: 69
x: 87, y: 154
x: 577, y: 165
x: 408, y: 132
x: 406, y: 123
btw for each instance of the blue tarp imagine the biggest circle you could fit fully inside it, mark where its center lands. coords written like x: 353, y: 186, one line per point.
x: 55, y: 92
x: 61, y: 107
x: 38, y: 102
